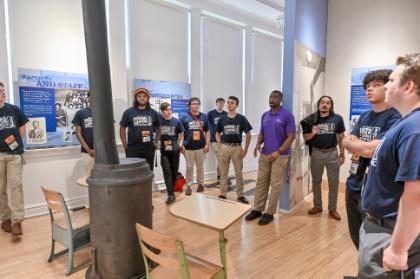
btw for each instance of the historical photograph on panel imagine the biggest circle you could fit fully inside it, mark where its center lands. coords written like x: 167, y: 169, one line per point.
x: 36, y: 131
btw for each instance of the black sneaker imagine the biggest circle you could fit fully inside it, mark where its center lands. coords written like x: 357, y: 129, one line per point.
x: 222, y: 197
x: 218, y: 178
x: 265, y: 219
x: 188, y: 191
x: 243, y: 200
x: 200, y: 188
x: 254, y: 214
x: 171, y: 199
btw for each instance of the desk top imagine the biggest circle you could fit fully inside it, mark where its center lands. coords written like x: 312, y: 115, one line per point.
x: 212, y: 212
x: 82, y: 181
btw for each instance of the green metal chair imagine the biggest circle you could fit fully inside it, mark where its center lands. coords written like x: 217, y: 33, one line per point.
x: 173, y: 262
x: 69, y: 229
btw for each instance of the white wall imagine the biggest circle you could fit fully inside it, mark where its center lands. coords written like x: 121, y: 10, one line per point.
x: 366, y: 33
x: 151, y: 42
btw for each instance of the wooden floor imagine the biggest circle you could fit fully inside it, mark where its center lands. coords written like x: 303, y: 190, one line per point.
x: 295, y: 245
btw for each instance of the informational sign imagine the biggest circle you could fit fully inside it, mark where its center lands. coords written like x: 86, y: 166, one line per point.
x: 358, y: 100
x: 176, y: 94
x: 50, y: 100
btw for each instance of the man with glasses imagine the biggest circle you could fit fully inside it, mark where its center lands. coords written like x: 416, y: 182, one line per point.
x: 196, y: 143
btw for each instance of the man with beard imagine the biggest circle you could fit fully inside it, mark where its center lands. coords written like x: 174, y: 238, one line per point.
x: 142, y: 122
x: 324, y: 134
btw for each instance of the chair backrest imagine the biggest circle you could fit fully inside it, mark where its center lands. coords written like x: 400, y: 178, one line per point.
x: 56, y: 203
x: 53, y: 200
x: 171, y: 251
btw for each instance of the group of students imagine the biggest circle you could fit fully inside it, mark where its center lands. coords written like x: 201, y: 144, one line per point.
x: 383, y: 187
x: 192, y: 135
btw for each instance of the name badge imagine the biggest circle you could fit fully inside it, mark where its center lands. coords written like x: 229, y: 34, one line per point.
x: 168, y: 145
x: 145, y: 135
x: 11, y: 142
x: 355, y: 160
x: 196, y: 135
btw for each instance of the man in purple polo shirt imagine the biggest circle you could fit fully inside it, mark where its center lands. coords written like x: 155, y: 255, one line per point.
x: 276, y: 134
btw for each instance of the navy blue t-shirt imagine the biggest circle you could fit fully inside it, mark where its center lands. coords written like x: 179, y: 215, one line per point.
x: 396, y: 159
x: 213, y: 117
x: 11, y: 118
x: 142, y: 124
x: 194, y: 137
x: 83, y: 118
x: 170, y: 129
x: 329, y: 126
x: 370, y: 126
x: 232, y: 128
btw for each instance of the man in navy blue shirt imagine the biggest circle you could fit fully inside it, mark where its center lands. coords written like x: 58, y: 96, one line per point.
x: 324, y: 134
x: 12, y: 130
x: 213, y: 117
x: 84, y: 133
x: 371, y: 125
x: 142, y: 122
x: 229, y: 132
x: 196, y: 143
x: 389, y: 236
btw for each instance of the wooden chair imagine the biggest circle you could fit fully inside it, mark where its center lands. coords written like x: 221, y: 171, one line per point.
x: 172, y: 259
x: 69, y: 229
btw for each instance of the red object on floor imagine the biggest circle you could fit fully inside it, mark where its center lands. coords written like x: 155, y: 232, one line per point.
x: 180, y: 182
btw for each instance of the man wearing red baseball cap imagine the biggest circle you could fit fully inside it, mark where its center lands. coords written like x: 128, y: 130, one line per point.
x: 143, y: 128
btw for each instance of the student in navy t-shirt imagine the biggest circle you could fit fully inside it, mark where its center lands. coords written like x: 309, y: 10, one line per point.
x: 196, y: 143
x: 324, y: 135
x: 213, y: 117
x: 390, y: 233
x: 371, y: 125
x: 229, y: 131
x: 171, y: 142
x: 84, y: 133
x: 142, y: 122
x: 12, y: 129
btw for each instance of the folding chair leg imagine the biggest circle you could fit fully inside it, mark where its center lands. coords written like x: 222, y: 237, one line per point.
x: 70, y: 267
x: 51, y: 258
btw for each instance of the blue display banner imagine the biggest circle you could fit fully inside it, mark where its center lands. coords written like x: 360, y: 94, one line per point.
x: 358, y: 100
x: 50, y: 100
x: 175, y: 93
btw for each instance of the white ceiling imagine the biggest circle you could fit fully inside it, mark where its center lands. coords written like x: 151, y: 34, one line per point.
x: 257, y: 8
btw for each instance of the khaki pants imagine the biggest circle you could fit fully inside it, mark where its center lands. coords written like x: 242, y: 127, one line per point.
x: 88, y: 163
x: 11, y: 173
x: 227, y: 153
x: 196, y: 157
x: 215, y: 148
x: 329, y: 160
x: 269, y: 173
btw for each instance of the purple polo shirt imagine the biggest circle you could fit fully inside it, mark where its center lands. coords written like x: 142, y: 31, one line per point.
x: 275, y: 127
